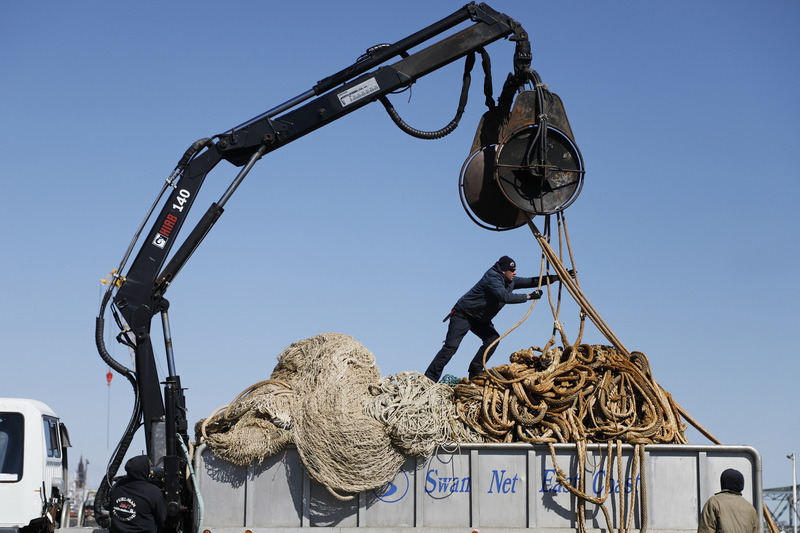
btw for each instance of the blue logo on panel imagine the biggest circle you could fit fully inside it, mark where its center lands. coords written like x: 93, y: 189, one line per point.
x: 396, y: 490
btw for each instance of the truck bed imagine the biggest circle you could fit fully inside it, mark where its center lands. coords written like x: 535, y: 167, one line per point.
x: 486, y: 487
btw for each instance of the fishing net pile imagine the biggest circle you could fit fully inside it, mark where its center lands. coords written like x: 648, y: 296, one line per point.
x: 353, y: 428
x: 315, y: 399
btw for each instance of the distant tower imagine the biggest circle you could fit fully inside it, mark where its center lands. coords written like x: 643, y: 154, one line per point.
x: 80, y: 475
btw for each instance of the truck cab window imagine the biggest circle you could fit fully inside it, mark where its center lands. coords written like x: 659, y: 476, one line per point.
x: 51, y: 435
x: 12, y: 439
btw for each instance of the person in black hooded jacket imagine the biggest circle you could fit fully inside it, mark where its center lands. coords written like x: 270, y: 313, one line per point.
x: 475, y: 310
x: 137, y: 506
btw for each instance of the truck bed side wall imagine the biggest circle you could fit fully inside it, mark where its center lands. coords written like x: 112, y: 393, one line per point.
x: 490, y: 487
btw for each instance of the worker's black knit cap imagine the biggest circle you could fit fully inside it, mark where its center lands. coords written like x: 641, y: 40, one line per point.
x: 732, y: 480
x: 506, y: 263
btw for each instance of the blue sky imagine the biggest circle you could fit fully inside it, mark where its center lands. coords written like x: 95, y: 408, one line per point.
x: 685, y: 235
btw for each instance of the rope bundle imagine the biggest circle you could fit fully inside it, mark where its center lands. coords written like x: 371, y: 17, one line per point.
x: 585, y: 393
x: 418, y: 414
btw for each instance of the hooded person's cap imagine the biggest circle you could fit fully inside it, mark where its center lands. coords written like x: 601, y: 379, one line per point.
x: 506, y: 263
x: 138, y: 467
x: 732, y: 480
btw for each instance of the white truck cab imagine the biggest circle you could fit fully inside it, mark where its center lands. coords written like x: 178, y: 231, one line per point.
x: 33, y: 467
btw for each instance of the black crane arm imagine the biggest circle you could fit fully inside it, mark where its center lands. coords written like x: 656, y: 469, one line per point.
x: 138, y: 295
x: 247, y: 142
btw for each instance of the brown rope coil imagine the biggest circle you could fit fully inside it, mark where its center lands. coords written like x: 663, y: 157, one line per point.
x: 588, y: 393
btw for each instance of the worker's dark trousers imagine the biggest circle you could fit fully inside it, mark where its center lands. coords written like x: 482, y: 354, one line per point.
x: 459, y: 325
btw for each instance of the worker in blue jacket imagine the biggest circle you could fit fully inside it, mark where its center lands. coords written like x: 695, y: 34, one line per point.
x: 475, y: 310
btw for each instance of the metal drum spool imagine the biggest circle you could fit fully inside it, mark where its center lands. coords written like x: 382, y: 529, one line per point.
x: 523, y: 163
x: 537, y: 184
x: 486, y: 205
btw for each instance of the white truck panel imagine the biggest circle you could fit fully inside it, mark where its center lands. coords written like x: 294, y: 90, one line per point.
x: 477, y: 487
x: 24, y: 472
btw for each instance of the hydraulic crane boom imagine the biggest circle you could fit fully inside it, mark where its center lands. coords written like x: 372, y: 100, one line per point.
x: 138, y: 295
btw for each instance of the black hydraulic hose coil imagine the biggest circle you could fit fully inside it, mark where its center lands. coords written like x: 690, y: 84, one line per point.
x: 105, y: 356
x: 462, y: 102
x: 419, y: 134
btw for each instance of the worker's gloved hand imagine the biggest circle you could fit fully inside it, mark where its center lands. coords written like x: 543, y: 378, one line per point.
x: 535, y: 295
x: 552, y: 278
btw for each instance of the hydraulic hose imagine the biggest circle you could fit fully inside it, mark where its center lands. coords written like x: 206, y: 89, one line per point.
x: 99, y: 329
x: 462, y: 103
x: 101, y: 498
